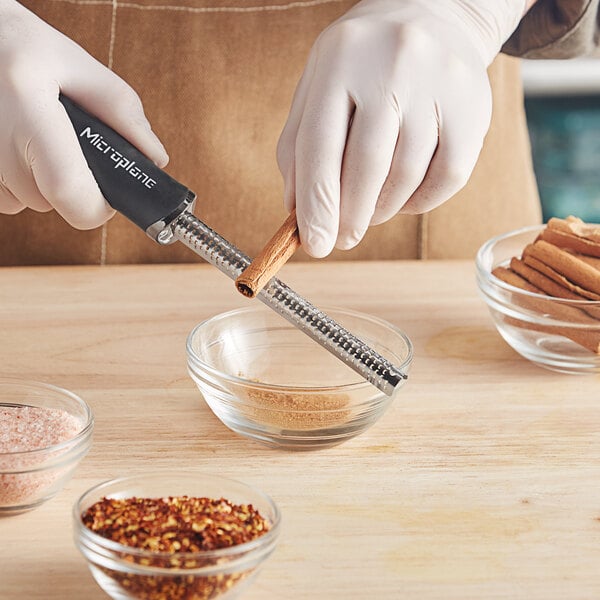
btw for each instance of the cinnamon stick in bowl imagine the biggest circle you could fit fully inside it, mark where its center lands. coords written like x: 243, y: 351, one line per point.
x: 278, y: 250
x: 560, y: 278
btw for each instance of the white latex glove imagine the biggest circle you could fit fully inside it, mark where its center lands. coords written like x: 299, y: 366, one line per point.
x: 390, y: 113
x: 41, y: 163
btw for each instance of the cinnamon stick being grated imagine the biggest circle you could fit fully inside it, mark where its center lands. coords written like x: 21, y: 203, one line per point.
x: 278, y: 250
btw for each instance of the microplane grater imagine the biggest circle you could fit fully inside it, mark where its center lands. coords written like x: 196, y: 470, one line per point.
x: 162, y: 206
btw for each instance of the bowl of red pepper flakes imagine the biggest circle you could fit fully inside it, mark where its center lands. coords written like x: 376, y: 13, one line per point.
x: 175, y: 536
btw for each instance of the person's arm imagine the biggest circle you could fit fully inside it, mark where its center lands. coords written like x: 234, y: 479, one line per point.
x: 41, y: 163
x: 390, y: 114
x: 557, y: 29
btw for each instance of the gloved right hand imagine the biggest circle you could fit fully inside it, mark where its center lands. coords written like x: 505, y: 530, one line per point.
x: 41, y: 163
x: 390, y: 114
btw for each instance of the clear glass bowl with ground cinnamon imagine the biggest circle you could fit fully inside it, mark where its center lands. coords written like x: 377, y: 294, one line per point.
x: 542, y: 287
x: 45, y: 431
x: 180, y: 535
x: 270, y: 382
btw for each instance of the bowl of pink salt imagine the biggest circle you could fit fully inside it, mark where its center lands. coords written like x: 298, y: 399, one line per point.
x: 45, y: 431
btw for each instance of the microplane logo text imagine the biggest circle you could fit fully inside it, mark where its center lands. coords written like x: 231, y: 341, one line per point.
x: 121, y: 162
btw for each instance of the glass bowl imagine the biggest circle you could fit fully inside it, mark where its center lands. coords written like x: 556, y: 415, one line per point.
x: 268, y: 381
x: 551, y: 332
x: 45, y: 431
x: 127, y: 573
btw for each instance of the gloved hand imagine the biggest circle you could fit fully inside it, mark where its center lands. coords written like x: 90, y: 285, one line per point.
x: 390, y: 113
x: 41, y: 163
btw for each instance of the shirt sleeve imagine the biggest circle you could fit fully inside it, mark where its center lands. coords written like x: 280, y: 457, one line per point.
x: 556, y: 29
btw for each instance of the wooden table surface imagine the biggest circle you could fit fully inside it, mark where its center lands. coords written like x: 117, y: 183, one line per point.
x: 481, y: 481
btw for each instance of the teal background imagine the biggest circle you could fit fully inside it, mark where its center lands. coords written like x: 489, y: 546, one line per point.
x: 565, y: 141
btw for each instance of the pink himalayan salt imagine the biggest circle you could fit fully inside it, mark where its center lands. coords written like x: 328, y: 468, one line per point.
x: 26, y: 428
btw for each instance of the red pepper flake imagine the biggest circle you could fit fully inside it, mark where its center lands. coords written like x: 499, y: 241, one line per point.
x: 174, y: 526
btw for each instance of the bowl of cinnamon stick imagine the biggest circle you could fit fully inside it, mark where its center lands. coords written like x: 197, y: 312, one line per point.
x: 542, y: 287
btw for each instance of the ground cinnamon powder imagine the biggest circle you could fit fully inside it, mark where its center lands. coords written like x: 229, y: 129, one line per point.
x: 298, y: 410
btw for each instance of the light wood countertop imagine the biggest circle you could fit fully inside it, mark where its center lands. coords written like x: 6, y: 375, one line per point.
x: 481, y: 481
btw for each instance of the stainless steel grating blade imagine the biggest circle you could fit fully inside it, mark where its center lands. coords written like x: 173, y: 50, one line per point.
x: 291, y: 306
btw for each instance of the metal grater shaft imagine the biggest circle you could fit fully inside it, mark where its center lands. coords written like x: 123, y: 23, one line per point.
x: 299, y: 312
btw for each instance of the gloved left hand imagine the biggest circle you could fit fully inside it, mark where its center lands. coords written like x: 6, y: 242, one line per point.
x: 42, y: 166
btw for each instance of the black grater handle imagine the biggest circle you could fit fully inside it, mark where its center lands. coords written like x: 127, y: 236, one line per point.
x: 130, y: 182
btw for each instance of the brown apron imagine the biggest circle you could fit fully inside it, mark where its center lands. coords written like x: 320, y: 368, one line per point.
x: 216, y: 78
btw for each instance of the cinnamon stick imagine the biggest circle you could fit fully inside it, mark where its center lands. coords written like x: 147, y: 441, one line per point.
x: 561, y: 279
x: 593, y: 261
x: 543, y: 282
x: 278, y: 250
x: 577, y: 227
x: 550, y: 286
x: 588, y: 338
x: 567, y: 265
x: 565, y: 239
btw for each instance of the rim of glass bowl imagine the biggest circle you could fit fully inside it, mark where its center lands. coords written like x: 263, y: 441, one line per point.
x: 87, y: 536
x: 198, y: 362
x: 40, y: 385
x: 486, y: 278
